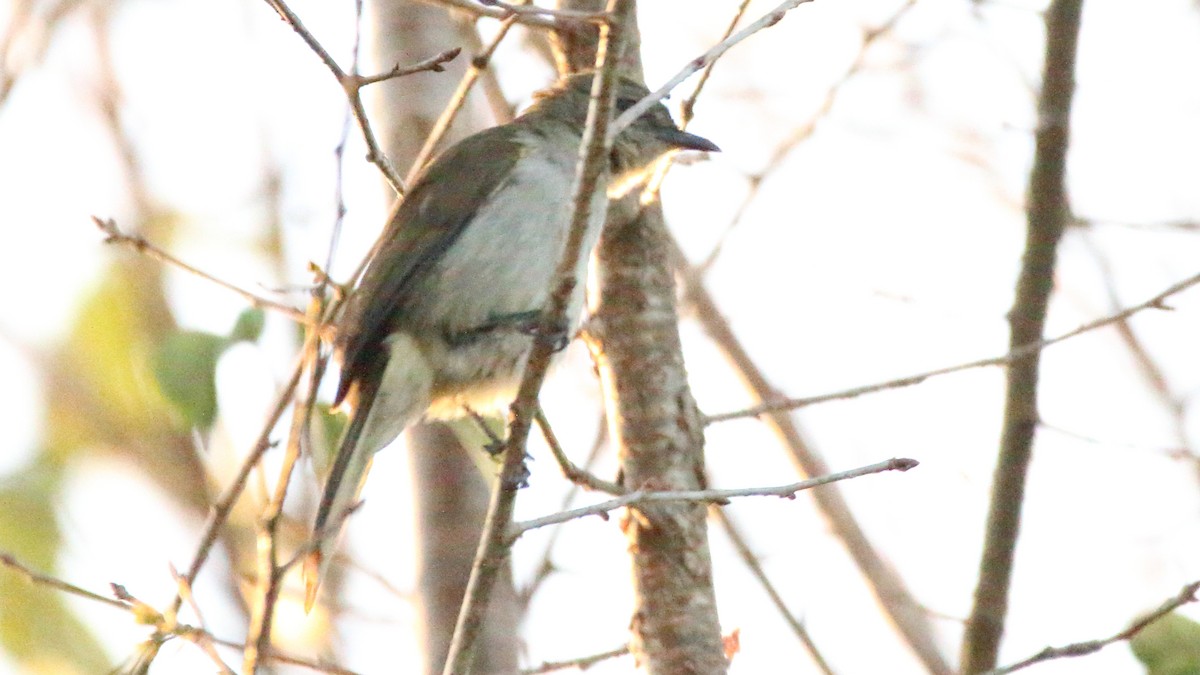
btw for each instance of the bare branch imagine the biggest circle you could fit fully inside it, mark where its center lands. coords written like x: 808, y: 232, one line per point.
x: 527, y: 15
x: 545, y: 566
x: 433, y: 64
x: 270, y: 574
x: 114, y: 235
x: 1156, y: 302
x: 801, y: 134
x: 639, y: 497
x: 44, y: 28
x: 352, y: 83
x: 494, y: 545
x: 7, y: 560
x: 565, y: 14
x: 756, y: 569
x: 165, y: 627
x: 581, y: 663
x: 222, y: 509
x: 1185, y: 596
x: 573, y: 473
x: 635, y: 111
x: 479, y: 63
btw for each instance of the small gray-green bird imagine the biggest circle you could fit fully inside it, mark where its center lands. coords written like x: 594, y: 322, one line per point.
x: 440, y: 323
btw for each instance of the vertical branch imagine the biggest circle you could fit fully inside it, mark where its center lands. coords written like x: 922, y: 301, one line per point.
x: 269, y: 572
x: 1047, y: 216
x: 634, y: 337
x: 494, y: 545
x: 659, y: 436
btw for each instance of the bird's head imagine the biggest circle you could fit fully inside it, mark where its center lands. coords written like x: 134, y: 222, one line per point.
x: 641, y: 144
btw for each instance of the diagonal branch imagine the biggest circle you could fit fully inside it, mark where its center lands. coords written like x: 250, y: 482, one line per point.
x: 756, y: 569
x: 905, y: 613
x: 638, y: 109
x: 1022, y: 352
x: 1185, y: 596
x: 351, y: 83
x: 114, y: 235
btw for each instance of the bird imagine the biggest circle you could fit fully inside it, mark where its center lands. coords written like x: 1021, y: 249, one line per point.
x: 440, y: 325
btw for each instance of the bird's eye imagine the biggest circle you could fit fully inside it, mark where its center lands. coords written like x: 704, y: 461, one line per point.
x: 624, y: 104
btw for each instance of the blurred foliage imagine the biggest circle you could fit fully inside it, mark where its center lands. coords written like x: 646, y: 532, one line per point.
x: 185, y: 367
x: 103, y: 397
x: 327, y: 427
x: 1169, y: 646
x: 37, y: 629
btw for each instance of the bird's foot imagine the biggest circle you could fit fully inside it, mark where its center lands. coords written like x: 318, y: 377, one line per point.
x: 519, y: 480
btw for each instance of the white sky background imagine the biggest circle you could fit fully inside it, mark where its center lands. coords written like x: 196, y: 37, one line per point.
x: 886, y: 245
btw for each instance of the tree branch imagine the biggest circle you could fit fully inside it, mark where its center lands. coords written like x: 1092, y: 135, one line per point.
x: 1048, y: 214
x: 493, y: 545
x: 1018, y: 353
x: 641, y: 497
x: 638, y: 109
x: 352, y: 83
x: 1185, y: 596
x: 114, y: 235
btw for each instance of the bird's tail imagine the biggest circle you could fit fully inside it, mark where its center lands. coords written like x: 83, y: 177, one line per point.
x: 382, y: 406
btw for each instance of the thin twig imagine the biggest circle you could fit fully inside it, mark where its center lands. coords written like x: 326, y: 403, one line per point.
x: 581, y: 663
x: 114, y: 235
x: 573, y: 473
x: 8, y: 561
x: 1156, y: 302
x: 494, y: 545
x: 353, y: 83
x: 540, y: 17
x: 1185, y: 596
x: 545, y: 566
x: 35, y: 36
x: 801, y: 134
x: 222, y: 509
x: 565, y: 14
x: 479, y: 63
x: 433, y: 64
x: 638, y: 109
x: 756, y: 569
x: 164, y: 625
x: 687, y: 111
x: 270, y: 576
x: 705, y: 496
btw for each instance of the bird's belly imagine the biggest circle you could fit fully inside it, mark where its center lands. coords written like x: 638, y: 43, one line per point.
x: 494, y: 278
x: 482, y: 376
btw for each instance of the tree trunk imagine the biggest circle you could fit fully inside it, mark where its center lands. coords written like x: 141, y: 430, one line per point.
x: 653, y: 418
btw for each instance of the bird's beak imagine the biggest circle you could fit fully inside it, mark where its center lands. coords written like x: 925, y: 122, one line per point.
x: 685, y: 141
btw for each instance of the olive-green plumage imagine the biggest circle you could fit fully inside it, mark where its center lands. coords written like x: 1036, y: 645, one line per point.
x: 439, y: 323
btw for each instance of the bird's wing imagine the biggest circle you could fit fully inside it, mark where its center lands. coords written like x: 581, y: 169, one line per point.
x: 442, y: 201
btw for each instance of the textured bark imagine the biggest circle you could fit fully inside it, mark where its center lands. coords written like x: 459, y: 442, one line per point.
x: 653, y: 418
x: 449, y: 495
x: 658, y: 431
x: 1048, y: 213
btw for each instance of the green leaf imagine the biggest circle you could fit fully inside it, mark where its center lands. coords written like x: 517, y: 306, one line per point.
x: 327, y: 427
x: 185, y: 366
x: 1169, y: 646
x: 249, y: 325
